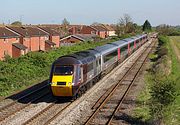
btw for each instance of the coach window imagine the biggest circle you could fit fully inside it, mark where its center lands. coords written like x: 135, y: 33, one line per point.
x: 110, y: 56
x: 132, y: 44
x: 124, y: 48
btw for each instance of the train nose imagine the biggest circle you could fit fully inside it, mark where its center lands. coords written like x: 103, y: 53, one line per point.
x: 62, y: 85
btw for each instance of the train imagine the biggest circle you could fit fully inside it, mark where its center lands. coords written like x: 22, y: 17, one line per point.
x: 72, y: 75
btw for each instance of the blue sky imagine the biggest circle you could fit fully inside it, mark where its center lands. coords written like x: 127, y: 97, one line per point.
x: 89, y: 11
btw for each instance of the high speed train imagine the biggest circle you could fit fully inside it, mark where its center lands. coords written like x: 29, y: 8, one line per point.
x: 72, y: 75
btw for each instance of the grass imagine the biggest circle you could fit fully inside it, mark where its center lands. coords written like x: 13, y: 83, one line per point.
x: 171, y: 114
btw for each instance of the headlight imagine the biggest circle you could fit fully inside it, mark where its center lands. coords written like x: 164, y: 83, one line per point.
x: 51, y: 83
x: 70, y: 83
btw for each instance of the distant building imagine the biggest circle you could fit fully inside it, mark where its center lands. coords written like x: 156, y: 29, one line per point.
x: 9, y: 44
x: 31, y: 37
x: 54, y: 37
x: 77, y: 38
x: 110, y: 30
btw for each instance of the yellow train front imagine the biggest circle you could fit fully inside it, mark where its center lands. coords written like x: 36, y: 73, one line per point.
x: 65, y: 77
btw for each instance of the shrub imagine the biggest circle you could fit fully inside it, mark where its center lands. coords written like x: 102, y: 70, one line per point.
x: 163, y: 94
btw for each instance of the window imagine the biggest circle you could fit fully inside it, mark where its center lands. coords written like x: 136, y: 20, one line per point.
x: 5, y: 52
x: 63, y: 70
x: 124, y: 48
x: 110, y: 56
x: 137, y: 41
x: 89, y: 67
x: 132, y: 44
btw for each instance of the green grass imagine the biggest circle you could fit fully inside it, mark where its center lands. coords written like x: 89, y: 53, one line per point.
x: 171, y: 114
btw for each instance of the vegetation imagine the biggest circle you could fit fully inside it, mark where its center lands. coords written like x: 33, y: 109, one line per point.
x: 65, y: 24
x: 168, y: 30
x: 17, y: 23
x: 19, y: 73
x: 160, y: 100
x: 147, y: 26
x: 126, y: 25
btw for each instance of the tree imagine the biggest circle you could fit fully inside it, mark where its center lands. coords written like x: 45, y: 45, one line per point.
x: 147, y: 26
x: 65, y: 25
x: 125, y: 25
x: 17, y: 23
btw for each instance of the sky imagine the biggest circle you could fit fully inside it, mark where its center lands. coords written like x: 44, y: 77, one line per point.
x: 89, y: 11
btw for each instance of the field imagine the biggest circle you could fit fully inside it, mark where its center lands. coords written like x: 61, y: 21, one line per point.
x: 162, y: 100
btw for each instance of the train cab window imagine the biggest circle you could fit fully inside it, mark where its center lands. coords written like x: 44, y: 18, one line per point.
x: 63, y: 70
x: 110, y: 55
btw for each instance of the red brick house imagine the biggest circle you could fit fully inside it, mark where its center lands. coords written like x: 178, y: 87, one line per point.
x: 75, y: 29
x: 77, y: 38
x: 54, y: 37
x: 89, y: 30
x: 101, y: 31
x: 7, y: 41
x: 18, y: 50
x: 110, y: 30
x: 97, y: 30
x: 31, y: 37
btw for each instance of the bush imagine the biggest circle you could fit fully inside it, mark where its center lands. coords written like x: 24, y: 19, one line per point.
x: 163, y: 94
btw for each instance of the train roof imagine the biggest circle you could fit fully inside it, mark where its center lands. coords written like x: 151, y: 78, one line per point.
x: 83, y: 56
x: 136, y: 37
x: 119, y: 43
x: 106, y: 48
x: 94, y: 52
x: 129, y: 40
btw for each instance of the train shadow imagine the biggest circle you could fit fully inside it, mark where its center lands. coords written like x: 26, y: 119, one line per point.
x: 38, y: 97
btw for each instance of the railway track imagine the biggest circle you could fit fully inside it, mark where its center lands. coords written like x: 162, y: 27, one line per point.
x: 23, y: 102
x: 106, y: 108
x: 48, y: 114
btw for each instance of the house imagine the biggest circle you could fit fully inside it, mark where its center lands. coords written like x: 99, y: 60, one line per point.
x: 102, y: 32
x: 54, y: 37
x: 88, y: 30
x: 75, y: 29
x: 97, y: 30
x: 31, y: 37
x: 18, y: 50
x: 110, y: 30
x: 77, y: 38
x: 8, y: 42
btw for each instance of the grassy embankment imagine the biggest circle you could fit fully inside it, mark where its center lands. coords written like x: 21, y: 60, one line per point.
x: 160, y: 101
x: 17, y: 74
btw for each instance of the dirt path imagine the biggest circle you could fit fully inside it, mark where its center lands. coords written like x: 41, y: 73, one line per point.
x: 174, y: 46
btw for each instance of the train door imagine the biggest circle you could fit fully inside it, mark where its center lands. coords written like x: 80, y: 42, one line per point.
x: 98, y: 65
x: 84, y: 72
x: 119, y: 55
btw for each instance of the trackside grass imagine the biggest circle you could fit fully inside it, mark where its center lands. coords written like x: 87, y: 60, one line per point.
x: 160, y: 100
